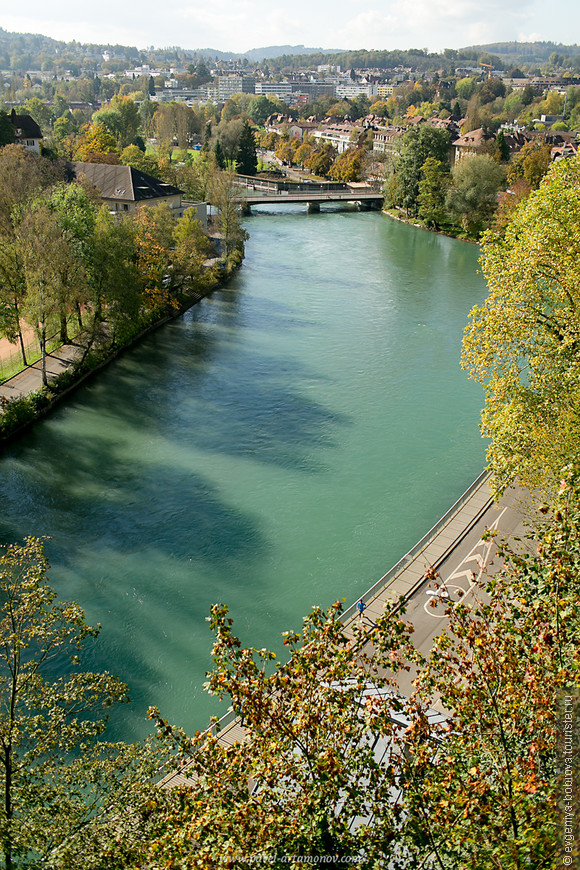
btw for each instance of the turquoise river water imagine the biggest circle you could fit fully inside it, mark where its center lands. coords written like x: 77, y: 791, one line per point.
x: 279, y: 446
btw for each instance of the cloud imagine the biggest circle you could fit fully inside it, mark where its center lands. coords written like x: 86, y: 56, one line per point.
x: 245, y: 24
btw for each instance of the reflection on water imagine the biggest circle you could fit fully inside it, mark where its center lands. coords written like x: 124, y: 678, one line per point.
x: 279, y: 446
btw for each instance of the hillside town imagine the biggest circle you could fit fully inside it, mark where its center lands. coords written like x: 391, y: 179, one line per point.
x: 308, y: 120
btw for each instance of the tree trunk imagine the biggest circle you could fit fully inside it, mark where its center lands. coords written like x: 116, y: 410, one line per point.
x: 79, y: 316
x: 20, y: 338
x: 42, y: 341
x: 64, y: 339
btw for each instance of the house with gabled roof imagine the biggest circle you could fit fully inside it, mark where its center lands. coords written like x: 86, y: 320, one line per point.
x: 124, y: 189
x: 470, y: 143
x: 26, y: 131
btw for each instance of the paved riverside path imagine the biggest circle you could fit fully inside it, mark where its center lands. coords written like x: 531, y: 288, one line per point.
x: 454, y: 549
x: 30, y: 379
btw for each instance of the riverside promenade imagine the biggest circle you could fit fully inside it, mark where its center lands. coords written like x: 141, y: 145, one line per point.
x: 443, y: 568
x: 30, y: 379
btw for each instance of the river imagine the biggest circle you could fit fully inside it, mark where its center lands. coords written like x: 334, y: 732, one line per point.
x: 278, y: 447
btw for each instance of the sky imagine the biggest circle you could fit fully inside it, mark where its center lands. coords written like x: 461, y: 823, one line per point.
x: 240, y: 25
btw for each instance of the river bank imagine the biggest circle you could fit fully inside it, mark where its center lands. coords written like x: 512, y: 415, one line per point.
x: 24, y: 399
x: 398, y: 215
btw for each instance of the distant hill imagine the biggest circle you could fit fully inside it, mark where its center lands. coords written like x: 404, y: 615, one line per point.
x: 24, y: 51
x: 524, y: 52
x: 258, y: 54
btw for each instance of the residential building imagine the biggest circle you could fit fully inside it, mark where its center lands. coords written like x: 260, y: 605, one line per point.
x: 354, y: 90
x: 339, y: 135
x: 26, y: 131
x: 386, y: 139
x: 124, y: 189
x: 469, y: 144
x: 235, y: 84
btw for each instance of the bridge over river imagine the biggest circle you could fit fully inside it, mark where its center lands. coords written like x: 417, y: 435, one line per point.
x: 257, y: 191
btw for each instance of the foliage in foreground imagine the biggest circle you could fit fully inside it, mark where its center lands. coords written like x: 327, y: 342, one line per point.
x: 57, y: 770
x: 334, y: 764
x: 523, y: 343
x: 309, y: 781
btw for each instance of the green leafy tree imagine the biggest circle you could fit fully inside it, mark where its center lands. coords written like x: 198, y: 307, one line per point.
x: 64, y: 127
x: 472, y: 196
x: 48, y: 260
x: 223, y: 194
x: 129, y: 119
x: 418, y: 144
x: 50, y: 710
x: 246, y: 158
x: 39, y: 111
x: 114, y: 281
x: 6, y: 129
x: 522, y: 343
x: 261, y: 108
x: 432, y: 190
x: 192, y: 249
x: 76, y: 214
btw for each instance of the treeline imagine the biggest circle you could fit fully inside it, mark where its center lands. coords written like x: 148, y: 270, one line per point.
x: 68, y: 266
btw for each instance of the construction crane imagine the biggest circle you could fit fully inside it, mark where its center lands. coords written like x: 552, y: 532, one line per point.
x: 488, y: 66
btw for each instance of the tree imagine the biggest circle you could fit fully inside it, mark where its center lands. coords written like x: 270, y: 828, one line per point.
x: 129, y: 119
x: 418, y: 144
x: 114, y: 281
x: 522, y: 343
x: 63, y: 127
x: 192, y: 249
x: 49, y: 259
x: 152, y: 261
x: 6, y: 129
x: 305, y: 781
x: 97, y: 145
x: 23, y: 175
x: 12, y: 291
x: 347, y: 166
x: 223, y: 194
x: 503, y: 668
x: 472, y: 196
x: 432, y: 189
x: 246, y: 158
x: 322, y: 159
x: 261, y: 108
x: 51, y: 709
x: 76, y: 214
x: 531, y: 164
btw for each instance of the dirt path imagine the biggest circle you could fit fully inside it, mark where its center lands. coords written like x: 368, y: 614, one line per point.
x: 7, y: 349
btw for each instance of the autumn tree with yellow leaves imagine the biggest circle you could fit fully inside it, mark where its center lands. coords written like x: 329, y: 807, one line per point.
x: 523, y: 343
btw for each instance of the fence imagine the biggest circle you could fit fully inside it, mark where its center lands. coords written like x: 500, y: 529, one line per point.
x: 11, y: 362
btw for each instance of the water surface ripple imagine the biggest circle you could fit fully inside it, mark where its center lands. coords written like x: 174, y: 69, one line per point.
x: 279, y: 446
